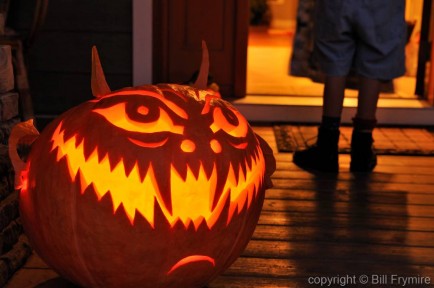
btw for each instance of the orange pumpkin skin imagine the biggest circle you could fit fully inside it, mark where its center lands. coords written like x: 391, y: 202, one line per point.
x: 82, y: 203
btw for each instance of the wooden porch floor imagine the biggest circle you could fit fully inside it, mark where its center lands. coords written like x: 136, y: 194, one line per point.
x: 345, y: 227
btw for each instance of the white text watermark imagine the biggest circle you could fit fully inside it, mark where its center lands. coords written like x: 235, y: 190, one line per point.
x: 374, y: 279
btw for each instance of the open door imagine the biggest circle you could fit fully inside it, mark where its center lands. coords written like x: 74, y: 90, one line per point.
x: 179, y: 28
x: 425, y: 50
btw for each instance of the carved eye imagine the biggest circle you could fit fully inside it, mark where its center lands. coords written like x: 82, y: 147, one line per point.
x: 121, y: 117
x: 230, y: 121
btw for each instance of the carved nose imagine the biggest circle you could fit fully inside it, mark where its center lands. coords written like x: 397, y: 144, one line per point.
x: 215, y: 146
x: 188, y: 146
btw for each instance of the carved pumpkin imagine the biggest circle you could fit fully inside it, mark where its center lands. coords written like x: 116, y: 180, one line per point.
x: 151, y: 186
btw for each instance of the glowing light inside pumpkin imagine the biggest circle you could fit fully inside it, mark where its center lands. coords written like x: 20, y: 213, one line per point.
x: 221, y: 123
x: 188, y: 146
x: 207, y: 106
x: 215, y: 146
x: 191, y: 198
x: 116, y: 115
x: 143, y: 110
x: 175, y: 108
x: 24, y: 175
x: 148, y: 144
x: 191, y: 259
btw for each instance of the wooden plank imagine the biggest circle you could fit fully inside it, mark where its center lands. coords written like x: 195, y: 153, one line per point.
x: 374, y: 252
x: 375, y: 197
x: 330, y: 207
x: 279, y: 268
x: 375, y: 222
x: 330, y: 185
x: 344, y: 235
x: 345, y: 177
x: 407, y: 161
x: 381, y: 168
x: 250, y: 282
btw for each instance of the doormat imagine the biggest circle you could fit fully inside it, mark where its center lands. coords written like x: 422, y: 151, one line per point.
x: 387, y: 141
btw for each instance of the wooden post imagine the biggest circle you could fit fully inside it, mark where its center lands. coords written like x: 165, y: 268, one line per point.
x: 6, y: 70
x: 23, y: 84
x: 4, y: 8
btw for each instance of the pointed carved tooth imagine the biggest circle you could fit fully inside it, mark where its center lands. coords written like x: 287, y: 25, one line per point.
x: 102, y: 156
x: 251, y: 189
x: 88, y: 148
x: 202, y: 225
x: 221, y: 183
x: 98, y: 83
x: 241, y: 201
x: 208, y: 167
x: 68, y: 134
x: 128, y: 166
x: 79, y: 178
x: 160, y: 218
x: 114, y: 160
x: 122, y: 212
x: 242, y: 174
x: 181, y: 168
x: 164, y: 186
x: 187, y: 223
x: 143, y: 169
x: 197, y: 222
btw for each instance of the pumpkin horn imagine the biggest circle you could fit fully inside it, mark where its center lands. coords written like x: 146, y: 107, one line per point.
x: 202, y: 77
x: 22, y: 133
x: 98, y: 83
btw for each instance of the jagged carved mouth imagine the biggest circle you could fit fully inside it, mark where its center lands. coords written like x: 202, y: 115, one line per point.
x: 191, y: 196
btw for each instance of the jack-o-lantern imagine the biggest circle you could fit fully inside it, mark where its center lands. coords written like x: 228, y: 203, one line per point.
x: 151, y: 186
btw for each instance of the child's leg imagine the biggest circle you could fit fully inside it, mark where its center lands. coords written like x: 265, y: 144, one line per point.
x: 369, y: 92
x: 333, y: 97
x: 363, y: 158
x: 323, y: 156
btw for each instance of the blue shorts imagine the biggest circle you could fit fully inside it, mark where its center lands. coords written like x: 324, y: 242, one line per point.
x: 367, y: 35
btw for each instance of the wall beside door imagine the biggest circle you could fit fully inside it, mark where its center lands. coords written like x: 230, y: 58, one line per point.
x: 59, y: 62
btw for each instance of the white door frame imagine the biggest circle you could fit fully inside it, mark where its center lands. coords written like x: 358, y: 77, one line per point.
x: 142, y: 42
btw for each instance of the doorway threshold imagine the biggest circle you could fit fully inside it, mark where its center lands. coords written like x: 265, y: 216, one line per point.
x: 303, y: 109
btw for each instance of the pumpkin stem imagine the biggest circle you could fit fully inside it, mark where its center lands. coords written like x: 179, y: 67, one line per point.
x: 98, y: 83
x: 202, y: 77
x: 22, y: 133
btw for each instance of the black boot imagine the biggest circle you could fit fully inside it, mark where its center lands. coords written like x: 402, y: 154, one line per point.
x: 322, y: 156
x: 363, y: 157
